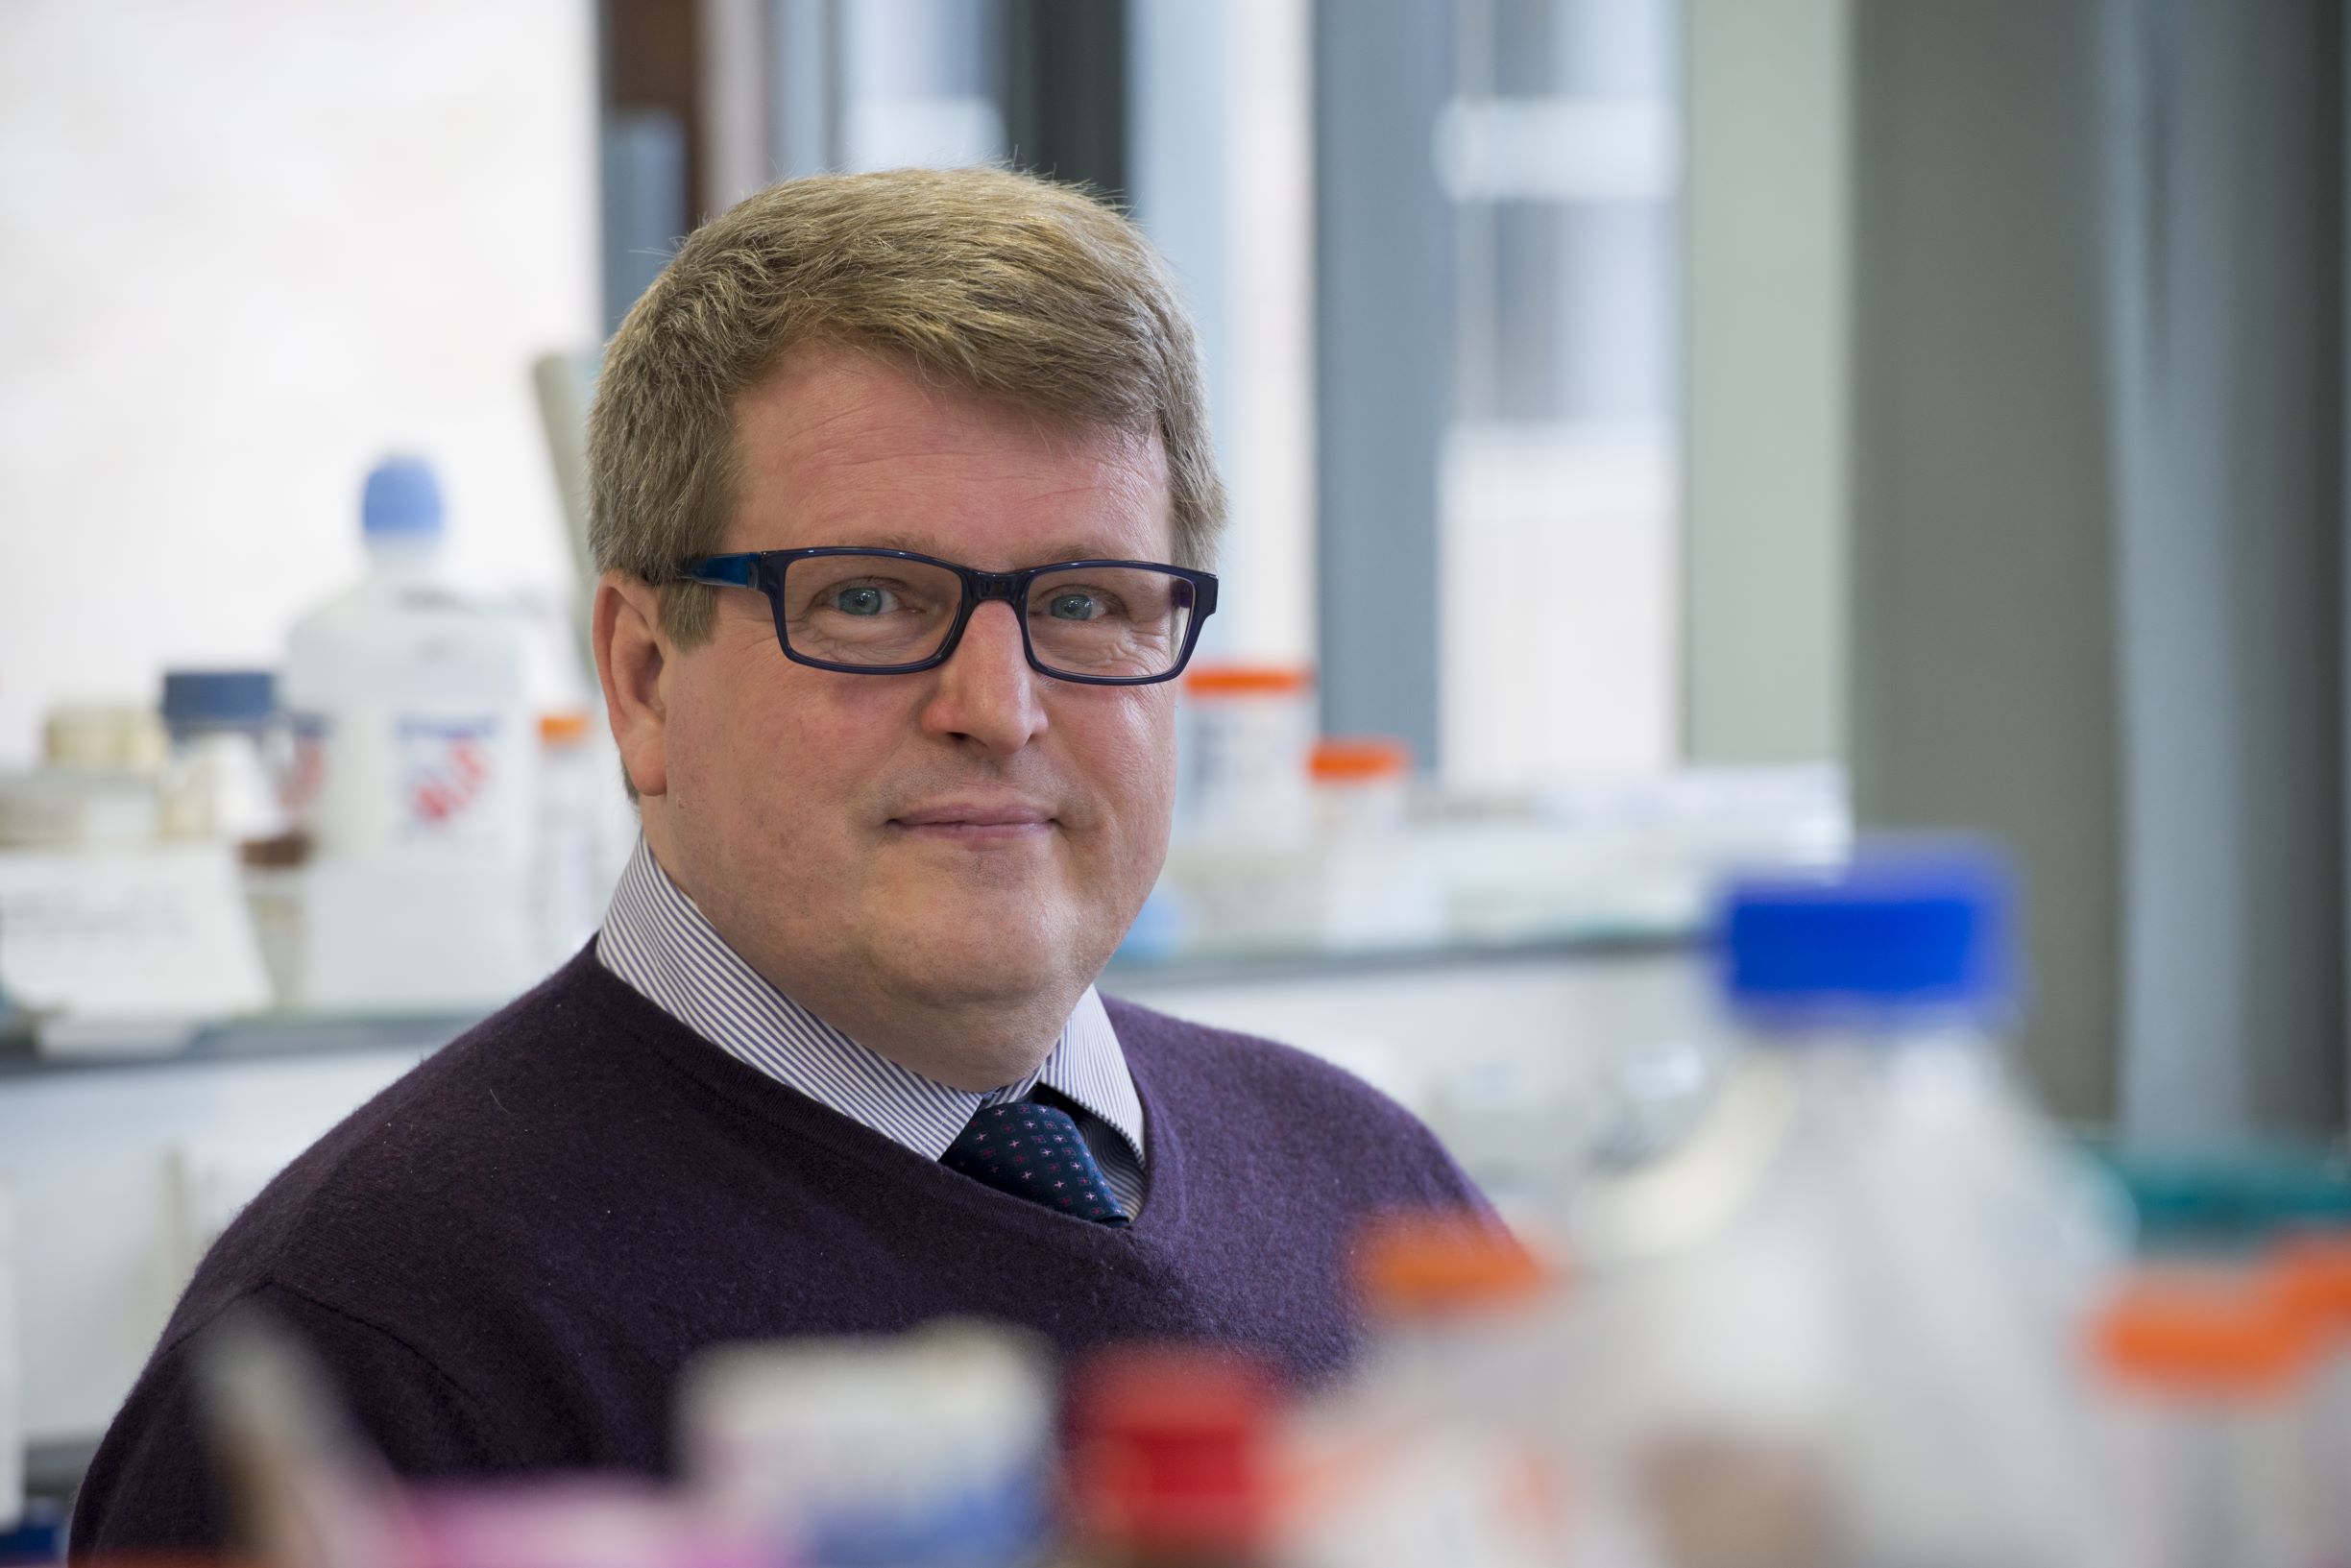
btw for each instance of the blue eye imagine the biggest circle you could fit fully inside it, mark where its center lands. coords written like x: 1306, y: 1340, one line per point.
x: 860, y: 601
x: 1072, y: 606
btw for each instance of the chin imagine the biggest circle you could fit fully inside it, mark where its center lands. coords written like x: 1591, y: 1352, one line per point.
x: 968, y: 955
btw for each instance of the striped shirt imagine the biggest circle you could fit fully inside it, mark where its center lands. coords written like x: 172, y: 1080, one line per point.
x: 655, y: 939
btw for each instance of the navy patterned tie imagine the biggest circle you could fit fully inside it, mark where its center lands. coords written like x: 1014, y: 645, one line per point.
x: 1037, y: 1152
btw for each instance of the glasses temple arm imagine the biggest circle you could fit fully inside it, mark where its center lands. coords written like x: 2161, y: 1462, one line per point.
x: 721, y: 570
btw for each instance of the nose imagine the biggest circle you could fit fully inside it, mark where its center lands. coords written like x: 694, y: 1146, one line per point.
x: 987, y: 695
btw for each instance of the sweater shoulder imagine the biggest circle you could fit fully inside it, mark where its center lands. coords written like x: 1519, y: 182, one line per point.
x: 451, y: 1158
x: 1269, y: 1092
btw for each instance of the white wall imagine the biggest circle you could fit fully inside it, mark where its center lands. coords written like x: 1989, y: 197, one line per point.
x: 247, y: 247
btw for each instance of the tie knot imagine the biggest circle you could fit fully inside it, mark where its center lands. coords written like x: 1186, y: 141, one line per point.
x: 1036, y: 1152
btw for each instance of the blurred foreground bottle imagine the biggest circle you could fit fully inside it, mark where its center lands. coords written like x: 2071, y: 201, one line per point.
x: 2310, y: 1271
x: 1838, y: 1322
x: 1172, y: 1460
x: 414, y: 777
x: 1445, y: 1445
x: 930, y: 1449
x: 2209, y: 1385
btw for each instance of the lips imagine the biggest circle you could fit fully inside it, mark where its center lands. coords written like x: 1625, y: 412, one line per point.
x: 977, y: 815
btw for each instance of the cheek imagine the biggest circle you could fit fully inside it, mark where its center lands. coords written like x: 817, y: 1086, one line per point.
x: 802, y: 756
x: 1133, y: 755
x: 737, y: 748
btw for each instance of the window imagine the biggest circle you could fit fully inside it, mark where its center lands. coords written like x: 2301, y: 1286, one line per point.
x: 1557, y: 629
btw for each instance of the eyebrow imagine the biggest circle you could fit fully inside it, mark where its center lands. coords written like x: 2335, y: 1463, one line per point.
x: 1063, y: 551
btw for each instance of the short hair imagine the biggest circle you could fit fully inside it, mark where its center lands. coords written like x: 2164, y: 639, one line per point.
x: 1008, y: 286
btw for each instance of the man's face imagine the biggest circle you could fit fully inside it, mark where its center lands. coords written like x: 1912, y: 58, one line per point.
x: 977, y: 834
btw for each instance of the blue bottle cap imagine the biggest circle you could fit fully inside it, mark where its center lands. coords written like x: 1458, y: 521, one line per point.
x: 402, y: 496
x: 218, y: 699
x: 1902, y: 927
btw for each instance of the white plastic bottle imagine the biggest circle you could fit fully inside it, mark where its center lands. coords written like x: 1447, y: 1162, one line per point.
x: 569, y: 885
x: 1840, y: 1322
x: 416, y: 775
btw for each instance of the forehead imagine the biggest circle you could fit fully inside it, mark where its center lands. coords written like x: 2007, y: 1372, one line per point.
x: 840, y: 446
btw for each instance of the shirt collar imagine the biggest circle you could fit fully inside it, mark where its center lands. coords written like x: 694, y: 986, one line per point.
x: 660, y: 942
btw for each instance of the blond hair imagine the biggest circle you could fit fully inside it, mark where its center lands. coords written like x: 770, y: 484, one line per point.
x: 1005, y: 284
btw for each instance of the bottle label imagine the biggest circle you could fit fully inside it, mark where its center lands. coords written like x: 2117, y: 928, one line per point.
x: 381, y: 779
x: 446, y: 768
x: 306, y: 776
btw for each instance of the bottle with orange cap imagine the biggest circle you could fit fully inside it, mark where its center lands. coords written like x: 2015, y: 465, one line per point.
x: 1239, y: 868
x: 2205, y: 1378
x: 1362, y: 784
x: 1448, y: 1445
x: 1374, y: 892
x: 2311, y: 1271
x: 1249, y: 731
x: 567, y: 886
x: 1462, y: 1319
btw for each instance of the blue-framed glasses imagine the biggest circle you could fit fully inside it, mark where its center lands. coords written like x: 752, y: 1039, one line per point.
x: 867, y: 612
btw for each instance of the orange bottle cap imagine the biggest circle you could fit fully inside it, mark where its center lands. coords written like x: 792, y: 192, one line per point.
x: 565, y: 727
x: 2314, y: 1273
x: 1359, y: 759
x: 2225, y: 1336
x: 1431, y: 1264
x: 1247, y: 680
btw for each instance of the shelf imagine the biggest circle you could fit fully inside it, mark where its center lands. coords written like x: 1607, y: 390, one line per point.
x: 275, y: 1036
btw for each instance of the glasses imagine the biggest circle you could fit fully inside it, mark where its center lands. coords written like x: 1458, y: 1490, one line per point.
x: 893, y: 612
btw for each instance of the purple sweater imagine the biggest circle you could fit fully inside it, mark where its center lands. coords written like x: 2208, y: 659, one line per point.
x: 506, y: 1257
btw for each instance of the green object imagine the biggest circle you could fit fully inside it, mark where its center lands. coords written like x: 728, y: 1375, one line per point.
x: 2229, y: 1198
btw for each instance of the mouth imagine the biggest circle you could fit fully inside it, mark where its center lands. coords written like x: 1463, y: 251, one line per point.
x: 976, y: 824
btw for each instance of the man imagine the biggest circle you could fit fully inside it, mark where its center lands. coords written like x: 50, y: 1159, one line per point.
x: 902, y: 493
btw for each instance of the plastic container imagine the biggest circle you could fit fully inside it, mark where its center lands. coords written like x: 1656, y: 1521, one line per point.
x: 570, y: 884
x: 416, y: 751
x: 408, y: 697
x: 11, y: 1369
x: 73, y: 808
x: 98, y: 785
x: 1839, y: 1320
x: 2208, y: 1381
x: 230, y: 755
x: 1362, y: 785
x: 2312, y: 1273
x: 1373, y: 895
x: 104, y: 738
x: 37, y: 1538
x: 574, y: 1522
x: 1445, y: 1446
x: 931, y: 1450
x: 1250, y: 730
x: 1171, y: 1460
x: 1464, y: 1330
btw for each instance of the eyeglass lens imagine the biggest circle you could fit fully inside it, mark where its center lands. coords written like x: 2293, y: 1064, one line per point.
x: 877, y: 610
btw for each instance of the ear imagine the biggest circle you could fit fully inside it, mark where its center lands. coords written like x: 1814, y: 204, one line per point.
x: 631, y: 655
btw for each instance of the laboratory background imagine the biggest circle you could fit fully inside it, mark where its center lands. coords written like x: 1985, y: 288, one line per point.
x: 1668, y: 441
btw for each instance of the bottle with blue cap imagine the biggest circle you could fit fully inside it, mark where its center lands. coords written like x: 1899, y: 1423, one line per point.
x: 416, y: 745
x: 1847, y: 1306
x: 228, y: 754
